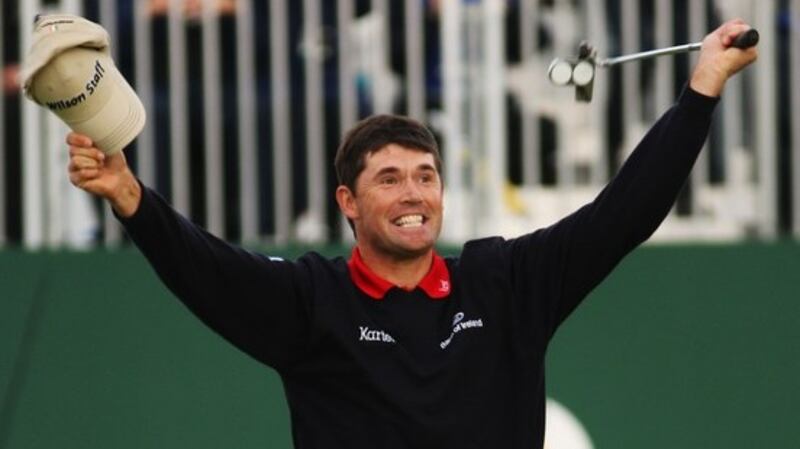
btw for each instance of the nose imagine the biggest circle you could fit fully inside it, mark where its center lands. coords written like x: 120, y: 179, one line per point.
x: 411, y: 192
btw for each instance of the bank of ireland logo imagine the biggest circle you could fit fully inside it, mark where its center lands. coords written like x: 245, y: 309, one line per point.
x: 459, y: 324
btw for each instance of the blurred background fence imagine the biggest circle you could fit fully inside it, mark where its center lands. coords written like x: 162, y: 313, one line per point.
x: 247, y: 101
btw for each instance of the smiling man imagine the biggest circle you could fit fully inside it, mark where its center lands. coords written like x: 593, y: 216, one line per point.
x: 391, y: 193
x: 397, y: 347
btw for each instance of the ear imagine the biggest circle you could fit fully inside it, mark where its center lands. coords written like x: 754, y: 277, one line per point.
x: 347, y: 202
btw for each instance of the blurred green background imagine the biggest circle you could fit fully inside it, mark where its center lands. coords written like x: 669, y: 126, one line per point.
x: 682, y: 347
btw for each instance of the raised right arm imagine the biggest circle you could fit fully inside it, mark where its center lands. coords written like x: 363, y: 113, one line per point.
x: 257, y: 303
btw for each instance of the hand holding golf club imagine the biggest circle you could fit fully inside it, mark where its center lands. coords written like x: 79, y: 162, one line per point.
x: 724, y: 52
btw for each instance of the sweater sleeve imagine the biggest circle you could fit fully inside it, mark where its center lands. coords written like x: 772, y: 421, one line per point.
x: 556, y: 267
x: 257, y: 303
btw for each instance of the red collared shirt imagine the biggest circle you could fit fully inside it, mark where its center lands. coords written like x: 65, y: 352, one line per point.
x: 436, y: 283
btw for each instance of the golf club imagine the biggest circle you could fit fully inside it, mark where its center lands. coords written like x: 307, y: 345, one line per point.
x: 581, y: 72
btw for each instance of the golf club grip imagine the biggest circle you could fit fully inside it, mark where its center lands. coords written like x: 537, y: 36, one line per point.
x: 746, y: 40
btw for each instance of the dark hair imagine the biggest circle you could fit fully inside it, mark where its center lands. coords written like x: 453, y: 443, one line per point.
x: 374, y: 133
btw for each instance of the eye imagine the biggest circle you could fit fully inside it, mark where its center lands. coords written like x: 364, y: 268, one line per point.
x: 388, y: 181
x: 427, y: 178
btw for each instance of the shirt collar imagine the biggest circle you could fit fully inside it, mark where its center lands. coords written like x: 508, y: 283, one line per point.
x: 436, y: 284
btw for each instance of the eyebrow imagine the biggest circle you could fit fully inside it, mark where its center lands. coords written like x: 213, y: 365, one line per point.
x: 386, y: 170
x: 393, y: 169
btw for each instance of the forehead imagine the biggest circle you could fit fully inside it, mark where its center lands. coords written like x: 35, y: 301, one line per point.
x: 394, y: 155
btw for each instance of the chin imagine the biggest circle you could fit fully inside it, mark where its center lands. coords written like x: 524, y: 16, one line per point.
x: 403, y: 252
x: 418, y: 251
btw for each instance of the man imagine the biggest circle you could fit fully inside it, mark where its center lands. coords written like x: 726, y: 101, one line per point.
x: 398, y: 347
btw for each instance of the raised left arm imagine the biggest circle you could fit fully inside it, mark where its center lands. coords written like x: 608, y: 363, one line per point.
x: 574, y: 255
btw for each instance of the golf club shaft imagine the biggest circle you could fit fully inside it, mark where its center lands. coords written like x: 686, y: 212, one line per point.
x: 744, y: 40
x: 608, y: 62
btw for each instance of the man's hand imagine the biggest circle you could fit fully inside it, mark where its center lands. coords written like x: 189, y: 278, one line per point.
x: 719, y: 61
x: 106, y: 176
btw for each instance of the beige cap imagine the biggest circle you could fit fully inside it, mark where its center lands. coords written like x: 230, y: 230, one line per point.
x: 69, y: 71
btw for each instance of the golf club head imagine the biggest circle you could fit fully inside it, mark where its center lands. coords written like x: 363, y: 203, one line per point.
x: 579, y: 73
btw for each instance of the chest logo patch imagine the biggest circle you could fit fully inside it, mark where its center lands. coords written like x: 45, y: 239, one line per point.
x: 459, y: 324
x: 367, y: 334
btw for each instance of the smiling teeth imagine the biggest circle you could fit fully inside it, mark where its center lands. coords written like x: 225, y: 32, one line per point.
x: 409, y: 220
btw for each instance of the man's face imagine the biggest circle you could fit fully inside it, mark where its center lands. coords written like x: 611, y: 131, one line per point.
x: 397, y: 205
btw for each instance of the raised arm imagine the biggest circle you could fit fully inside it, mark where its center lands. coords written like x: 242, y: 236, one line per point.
x: 255, y: 302
x: 571, y: 257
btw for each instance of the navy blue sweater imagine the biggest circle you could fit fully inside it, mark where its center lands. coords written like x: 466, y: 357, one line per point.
x: 455, y: 363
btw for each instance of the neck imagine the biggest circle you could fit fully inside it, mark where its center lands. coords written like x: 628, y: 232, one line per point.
x: 405, y: 273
